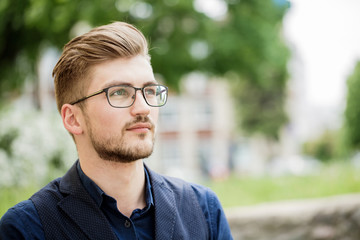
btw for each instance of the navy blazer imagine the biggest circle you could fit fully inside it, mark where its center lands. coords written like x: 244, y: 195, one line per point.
x: 65, y: 210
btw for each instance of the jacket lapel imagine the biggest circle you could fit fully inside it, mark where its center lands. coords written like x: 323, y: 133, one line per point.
x: 165, y: 211
x: 81, y: 208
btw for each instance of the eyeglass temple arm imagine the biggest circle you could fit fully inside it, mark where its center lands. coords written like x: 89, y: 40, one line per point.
x: 89, y: 96
x: 164, y: 90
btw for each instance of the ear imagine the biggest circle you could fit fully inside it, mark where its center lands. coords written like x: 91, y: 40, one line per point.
x: 71, y: 119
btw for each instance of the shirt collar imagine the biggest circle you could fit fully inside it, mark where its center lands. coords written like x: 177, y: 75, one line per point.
x: 98, y: 194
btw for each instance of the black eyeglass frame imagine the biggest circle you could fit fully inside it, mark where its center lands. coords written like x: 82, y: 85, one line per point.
x: 106, y: 91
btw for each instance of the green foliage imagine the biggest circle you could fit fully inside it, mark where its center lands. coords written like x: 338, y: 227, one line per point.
x: 28, y: 25
x: 247, y: 43
x: 352, y: 111
x: 255, y: 50
x: 7, y: 140
x: 260, y: 111
x: 323, y: 148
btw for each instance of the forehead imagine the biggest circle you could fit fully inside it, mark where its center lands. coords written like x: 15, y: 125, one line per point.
x: 134, y: 71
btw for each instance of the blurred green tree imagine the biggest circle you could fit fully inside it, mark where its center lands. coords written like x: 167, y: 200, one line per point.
x: 352, y: 110
x: 251, y: 45
x: 246, y: 46
x: 324, y: 147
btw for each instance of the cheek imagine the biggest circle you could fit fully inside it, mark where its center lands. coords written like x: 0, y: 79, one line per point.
x: 109, y: 119
x: 154, y: 115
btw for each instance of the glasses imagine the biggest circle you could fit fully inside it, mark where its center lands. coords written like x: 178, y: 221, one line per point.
x: 123, y: 96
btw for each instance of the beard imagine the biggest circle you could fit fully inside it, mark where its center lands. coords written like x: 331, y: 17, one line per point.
x: 120, y: 149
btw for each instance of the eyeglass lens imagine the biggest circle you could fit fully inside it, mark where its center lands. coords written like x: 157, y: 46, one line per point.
x: 124, y: 96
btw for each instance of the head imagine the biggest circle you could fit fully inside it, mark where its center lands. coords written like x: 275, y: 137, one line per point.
x: 114, y: 54
x: 71, y: 73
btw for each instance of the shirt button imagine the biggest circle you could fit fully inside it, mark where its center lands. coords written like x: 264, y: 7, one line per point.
x: 127, y: 224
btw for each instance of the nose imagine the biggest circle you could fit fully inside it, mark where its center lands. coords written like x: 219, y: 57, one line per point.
x: 140, y: 107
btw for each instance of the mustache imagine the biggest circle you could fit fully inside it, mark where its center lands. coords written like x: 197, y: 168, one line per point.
x: 140, y: 119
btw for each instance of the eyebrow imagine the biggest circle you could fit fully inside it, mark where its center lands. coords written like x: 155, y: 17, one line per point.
x: 117, y: 82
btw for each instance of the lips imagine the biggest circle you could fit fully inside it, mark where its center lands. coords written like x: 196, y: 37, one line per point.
x: 140, y: 127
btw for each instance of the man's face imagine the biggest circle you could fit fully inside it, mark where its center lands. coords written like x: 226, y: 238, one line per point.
x: 121, y: 134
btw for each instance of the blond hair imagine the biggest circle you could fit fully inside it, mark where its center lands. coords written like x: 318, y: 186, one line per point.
x: 115, y: 40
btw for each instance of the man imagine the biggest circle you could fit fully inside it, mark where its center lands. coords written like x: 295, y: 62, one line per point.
x: 109, y: 101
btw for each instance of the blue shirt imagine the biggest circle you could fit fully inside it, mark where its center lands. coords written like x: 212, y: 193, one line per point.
x: 140, y: 225
x: 22, y: 221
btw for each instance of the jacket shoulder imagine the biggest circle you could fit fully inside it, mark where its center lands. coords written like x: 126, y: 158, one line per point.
x: 21, y: 222
x: 178, y: 185
x: 50, y: 191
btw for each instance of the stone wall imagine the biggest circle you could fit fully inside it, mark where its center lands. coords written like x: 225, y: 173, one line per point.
x: 333, y: 218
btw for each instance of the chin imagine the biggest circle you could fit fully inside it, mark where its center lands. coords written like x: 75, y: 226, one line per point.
x: 144, y: 150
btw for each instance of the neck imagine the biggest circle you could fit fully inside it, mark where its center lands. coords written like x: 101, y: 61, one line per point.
x: 125, y: 182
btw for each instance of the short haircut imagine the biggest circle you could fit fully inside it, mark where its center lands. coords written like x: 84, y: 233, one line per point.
x: 108, y: 42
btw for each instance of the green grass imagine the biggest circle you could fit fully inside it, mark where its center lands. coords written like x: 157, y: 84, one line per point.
x: 333, y: 179
x: 10, y: 196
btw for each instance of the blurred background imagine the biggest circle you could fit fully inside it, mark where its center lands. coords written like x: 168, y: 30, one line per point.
x: 263, y: 99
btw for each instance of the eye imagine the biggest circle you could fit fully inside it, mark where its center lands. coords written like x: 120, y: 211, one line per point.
x: 150, y: 91
x: 119, y: 92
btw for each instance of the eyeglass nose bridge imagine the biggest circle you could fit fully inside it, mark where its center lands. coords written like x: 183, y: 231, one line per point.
x: 142, y: 93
